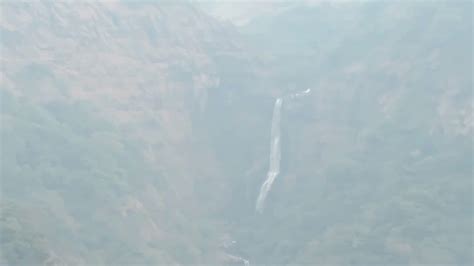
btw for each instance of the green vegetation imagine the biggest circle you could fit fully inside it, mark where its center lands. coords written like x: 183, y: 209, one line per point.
x: 155, y: 153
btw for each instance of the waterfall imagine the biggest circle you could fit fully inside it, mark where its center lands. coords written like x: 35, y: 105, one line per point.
x: 275, y: 156
x: 275, y: 152
x: 239, y: 259
x: 299, y: 94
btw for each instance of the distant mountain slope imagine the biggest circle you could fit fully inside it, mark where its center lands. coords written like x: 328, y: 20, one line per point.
x: 100, y: 151
x: 138, y: 133
x: 377, y: 161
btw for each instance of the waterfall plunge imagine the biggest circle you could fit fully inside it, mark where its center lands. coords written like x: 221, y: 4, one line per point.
x: 275, y: 152
x: 275, y: 156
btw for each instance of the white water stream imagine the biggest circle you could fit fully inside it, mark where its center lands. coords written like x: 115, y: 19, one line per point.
x: 275, y: 151
x: 239, y: 259
x: 275, y: 156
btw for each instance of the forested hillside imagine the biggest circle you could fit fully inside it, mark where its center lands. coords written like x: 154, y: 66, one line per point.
x: 138, y: 133
x: 377, y: 161
x: 101, y: 160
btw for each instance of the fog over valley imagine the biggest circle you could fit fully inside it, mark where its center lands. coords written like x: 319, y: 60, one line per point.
x: 236, y: 132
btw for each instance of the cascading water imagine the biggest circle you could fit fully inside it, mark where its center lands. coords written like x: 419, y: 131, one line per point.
x: 275, y: 155
x: 275, y: 152
x: 239, y: 259
x: 299, y: 94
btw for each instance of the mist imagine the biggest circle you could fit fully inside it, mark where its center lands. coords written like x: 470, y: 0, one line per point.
x: 236, y: 133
